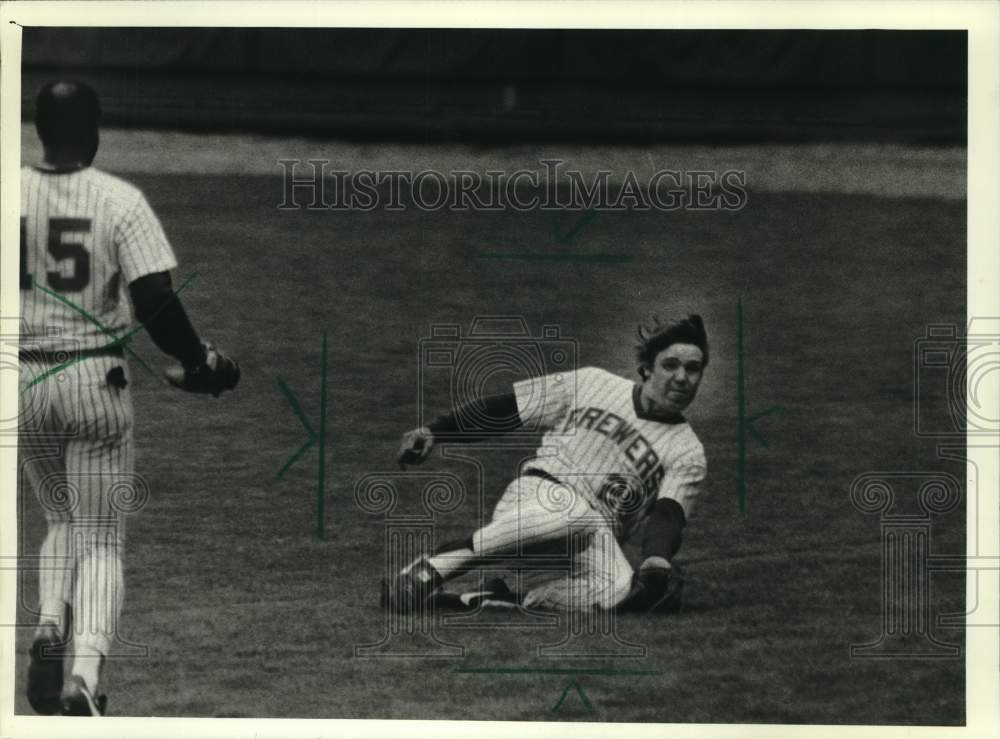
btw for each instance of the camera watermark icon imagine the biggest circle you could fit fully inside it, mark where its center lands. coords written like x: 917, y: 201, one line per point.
x: 497, y: 349
x: 907, y: 562
x: 951, y: 374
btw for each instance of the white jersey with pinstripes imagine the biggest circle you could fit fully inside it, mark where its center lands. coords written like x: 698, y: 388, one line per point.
x: 85, y: 235
x: 601, y: 443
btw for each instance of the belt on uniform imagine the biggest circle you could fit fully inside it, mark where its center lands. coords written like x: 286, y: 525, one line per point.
x: 66, y: 355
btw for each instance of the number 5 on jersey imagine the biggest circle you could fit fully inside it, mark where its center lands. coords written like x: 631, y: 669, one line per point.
x: 64, y: 244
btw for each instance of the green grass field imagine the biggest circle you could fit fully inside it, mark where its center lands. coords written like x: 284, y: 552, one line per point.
x: 246, y: 613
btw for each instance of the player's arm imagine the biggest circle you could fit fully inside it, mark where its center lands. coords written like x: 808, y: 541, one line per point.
x: 494, y: 414
x: 159, y: 309
x: 656, y: 587
x: 664, y: 533
x: 678, y: 491
x: 145, y: 260
x: 537, y: 402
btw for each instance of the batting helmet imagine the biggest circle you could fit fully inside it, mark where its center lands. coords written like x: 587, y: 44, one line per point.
x: 67, y: 116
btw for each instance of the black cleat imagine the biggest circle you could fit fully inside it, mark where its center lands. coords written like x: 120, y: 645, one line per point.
x: 45, y: 670
x: 411, y: 589
x: 77, y: 700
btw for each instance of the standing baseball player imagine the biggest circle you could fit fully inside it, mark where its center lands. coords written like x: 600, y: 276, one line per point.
x: 615, y: 454
x: 87, y: 239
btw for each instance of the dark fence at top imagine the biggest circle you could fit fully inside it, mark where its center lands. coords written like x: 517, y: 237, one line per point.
x: 520, y: 84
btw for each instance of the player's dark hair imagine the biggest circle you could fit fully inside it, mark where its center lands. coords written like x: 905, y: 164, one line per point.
x: 67, y: 116
x: 658, y: 335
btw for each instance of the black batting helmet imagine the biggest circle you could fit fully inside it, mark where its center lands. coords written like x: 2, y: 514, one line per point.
x: 67, y: 116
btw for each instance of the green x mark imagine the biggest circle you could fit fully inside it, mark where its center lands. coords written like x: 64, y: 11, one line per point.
x: 121, y: 341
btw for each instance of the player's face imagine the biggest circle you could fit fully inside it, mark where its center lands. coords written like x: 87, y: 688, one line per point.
x: 674, y: 378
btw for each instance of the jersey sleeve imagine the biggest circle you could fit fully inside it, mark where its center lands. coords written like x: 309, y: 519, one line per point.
x: 142, y: 245
x: 542, y: 401
x: 683, y: 480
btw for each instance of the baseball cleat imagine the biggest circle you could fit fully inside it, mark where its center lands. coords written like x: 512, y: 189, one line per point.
x: 412, y: 588
x: 494, y: 593
x: 77, y: 700
x: 45, y: 670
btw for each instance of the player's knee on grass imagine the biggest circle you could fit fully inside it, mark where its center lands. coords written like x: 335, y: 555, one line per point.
x: 566, y: 593
x: 600, y: 577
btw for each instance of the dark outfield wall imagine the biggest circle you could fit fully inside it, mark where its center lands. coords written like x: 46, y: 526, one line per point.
x: 522, y: 84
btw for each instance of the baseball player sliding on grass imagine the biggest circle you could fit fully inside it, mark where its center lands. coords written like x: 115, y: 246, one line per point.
x: 86, y: 236
x: 615, y: 454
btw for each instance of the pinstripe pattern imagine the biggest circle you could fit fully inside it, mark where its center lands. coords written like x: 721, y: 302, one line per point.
x: 534, y: 511
x: 536, y: 516
x: 595, y: 432
x: 123, y: 239
x: 612, y: 466
x: 601, y: 576
x: 85, y: 236
x: 75, y: 481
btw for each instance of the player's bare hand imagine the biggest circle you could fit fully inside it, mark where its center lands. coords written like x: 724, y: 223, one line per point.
x: 415, y: 446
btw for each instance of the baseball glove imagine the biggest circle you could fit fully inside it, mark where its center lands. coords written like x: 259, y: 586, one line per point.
x: 215, y: 374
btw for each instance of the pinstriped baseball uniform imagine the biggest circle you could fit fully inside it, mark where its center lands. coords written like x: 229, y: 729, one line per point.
x: 85, y: 235
x: 603, y: 464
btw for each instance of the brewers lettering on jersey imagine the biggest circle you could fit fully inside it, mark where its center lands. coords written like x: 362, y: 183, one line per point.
x: 616, y: 454
x: 86, y: 236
